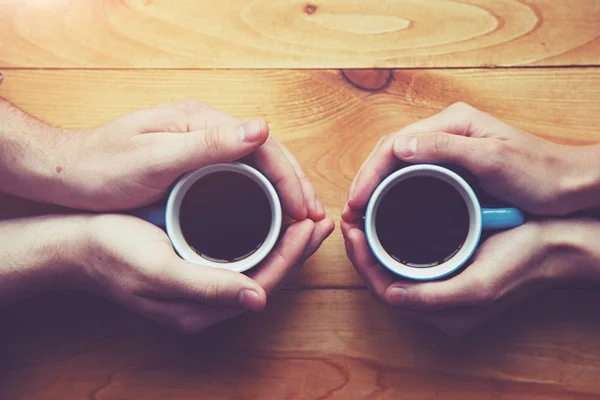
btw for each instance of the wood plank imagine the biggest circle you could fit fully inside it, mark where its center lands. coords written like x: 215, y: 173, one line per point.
x: 316, y: 344
x: 298, y: 34
x: 327, y: 122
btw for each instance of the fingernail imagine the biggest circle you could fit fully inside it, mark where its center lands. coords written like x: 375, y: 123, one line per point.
x: 406, y: 146
x: 250, y: 300
x: 252, y: 130
x: 396, y: 296
x: 345, y: 209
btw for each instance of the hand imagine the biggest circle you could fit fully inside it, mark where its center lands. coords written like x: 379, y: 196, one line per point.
x: 132, y: 262
x: 536, y: 175
x: 134, y: 160
x: 506, y: 268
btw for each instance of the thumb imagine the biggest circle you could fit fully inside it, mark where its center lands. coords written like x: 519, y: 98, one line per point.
x: 214, y: 286
x: 478, y: 155
x: 212, y: 145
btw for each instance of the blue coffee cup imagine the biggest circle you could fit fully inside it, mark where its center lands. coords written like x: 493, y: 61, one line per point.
x: 479, y: 219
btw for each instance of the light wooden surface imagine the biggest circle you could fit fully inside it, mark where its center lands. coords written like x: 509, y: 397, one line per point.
x: 298, y: 34
x: 81, y: 63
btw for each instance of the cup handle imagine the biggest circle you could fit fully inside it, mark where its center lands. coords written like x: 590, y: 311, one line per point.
x: 501, y: 218
x: 153, y: 214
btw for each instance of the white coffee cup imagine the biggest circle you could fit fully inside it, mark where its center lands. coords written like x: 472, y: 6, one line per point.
x: 479, y: 219
x: 169, y: 216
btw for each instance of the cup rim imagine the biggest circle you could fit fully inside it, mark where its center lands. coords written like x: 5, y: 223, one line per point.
x: 185, y: 183
x: 469, y: 245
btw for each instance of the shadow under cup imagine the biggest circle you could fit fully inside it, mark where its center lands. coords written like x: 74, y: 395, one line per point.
x: 451, y: 184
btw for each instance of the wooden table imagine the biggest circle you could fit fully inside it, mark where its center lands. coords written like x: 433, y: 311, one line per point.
x: 309, y: 68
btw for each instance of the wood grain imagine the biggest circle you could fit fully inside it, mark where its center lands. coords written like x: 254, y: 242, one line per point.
x: 327, y: 121
x: 316, y: 344
x: 298, y: 34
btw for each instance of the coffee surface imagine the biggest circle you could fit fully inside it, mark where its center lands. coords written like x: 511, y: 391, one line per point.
x: 422, y: 221
x: 225, y: 216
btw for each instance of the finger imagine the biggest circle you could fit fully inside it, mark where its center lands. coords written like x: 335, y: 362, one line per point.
x: 458, y: 119
x: 205, y: 285
x: 184, y: 152
x: 466, y: 288
x: 285, y: 256
x: 461, y: 119
x: 186, y: 116
x: 185, y: 316
x: 471, y: 287
x: 345, y: 226
x: 352, y: 215
x: 381, y: 164
x: 273, y: 162
x: 315, y: 208
x: 367, y: 161
x: 478, y: 155
x: 371, y: 272
x: 460, y: 320
x: 323, y: 229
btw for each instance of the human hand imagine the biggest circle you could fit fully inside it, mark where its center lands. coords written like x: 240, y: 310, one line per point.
x: 507, y: 267
x: 132, y: 262
x: 531, y: 173
x: 133, y: 160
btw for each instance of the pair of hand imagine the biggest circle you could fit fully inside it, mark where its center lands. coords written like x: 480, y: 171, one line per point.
x: 133, y: 263
x: 133, y: 161
x: 538, y: 176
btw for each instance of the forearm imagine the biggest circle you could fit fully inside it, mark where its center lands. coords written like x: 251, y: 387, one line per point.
x: 29, y: 167
x: 581, y: 181
x: 39, y: 254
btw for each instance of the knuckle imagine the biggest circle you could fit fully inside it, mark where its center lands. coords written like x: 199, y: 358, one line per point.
x: 441, y: 143
x: 191, y: 105
x: 496, y: 158
x: 211, y: 292
x: 463, y: 109
x: 211, y: 140
x: 191, y: 109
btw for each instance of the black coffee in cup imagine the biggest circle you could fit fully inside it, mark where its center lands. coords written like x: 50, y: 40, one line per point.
x: 422, y: 221
x: 225, y: 216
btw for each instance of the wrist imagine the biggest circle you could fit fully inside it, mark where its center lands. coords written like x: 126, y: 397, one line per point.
x: 29, y: 160
x: 71, y: 248
x: 571, y: 248
x: 579, y: 186
x: 39, y: 254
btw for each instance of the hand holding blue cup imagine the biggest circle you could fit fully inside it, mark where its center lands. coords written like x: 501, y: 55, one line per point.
x: 433, y: 210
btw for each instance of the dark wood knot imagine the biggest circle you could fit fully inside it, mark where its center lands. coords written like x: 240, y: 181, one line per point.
x: 370, y: 80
